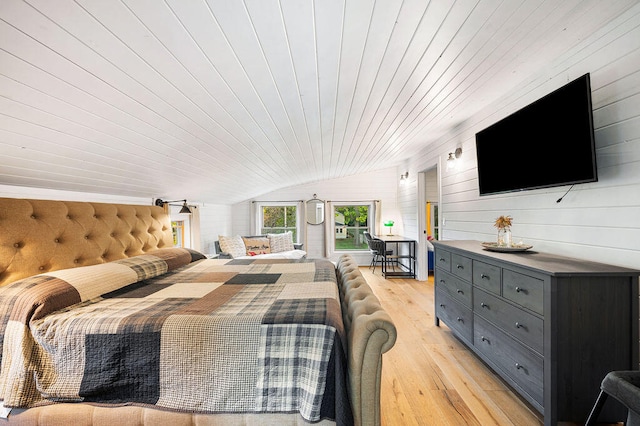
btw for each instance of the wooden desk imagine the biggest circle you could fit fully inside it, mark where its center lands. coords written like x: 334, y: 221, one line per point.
x: 404, y: 259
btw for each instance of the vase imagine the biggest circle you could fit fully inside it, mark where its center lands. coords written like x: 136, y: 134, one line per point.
x: 507, y: 237
x: 504, y: 237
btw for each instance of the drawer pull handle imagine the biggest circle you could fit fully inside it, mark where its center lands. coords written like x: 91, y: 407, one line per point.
x: 518, y: 289
x: 484, y: 339
x: 442, y: 259
x: 442, y: 281
x: 460, y: 319
x: 459, y: 266
x: 484, y: 305
x: 521, y: 290
x: 518, y: 325
x: 442, y: 305
x: 485, y: 276
x: 460, y: 291
x: 518, y: 366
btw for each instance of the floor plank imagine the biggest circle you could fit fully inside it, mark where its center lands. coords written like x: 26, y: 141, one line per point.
x: 429, y: 377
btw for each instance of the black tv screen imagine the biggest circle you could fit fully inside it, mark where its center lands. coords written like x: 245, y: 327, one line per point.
x: 547, y: 143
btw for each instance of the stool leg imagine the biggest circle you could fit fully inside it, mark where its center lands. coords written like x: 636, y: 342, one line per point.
x: 597, y: 407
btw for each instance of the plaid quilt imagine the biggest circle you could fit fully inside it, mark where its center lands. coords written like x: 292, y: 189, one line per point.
x: 210, y: 336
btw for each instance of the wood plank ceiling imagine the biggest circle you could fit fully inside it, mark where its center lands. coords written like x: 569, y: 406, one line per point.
x: 223, y: 100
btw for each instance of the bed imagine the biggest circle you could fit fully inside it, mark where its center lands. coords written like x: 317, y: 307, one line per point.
x: 103, y: 322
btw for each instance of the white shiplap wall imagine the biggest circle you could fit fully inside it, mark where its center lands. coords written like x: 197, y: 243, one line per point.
x: 215, y: 219
x: 596, y: 221
x: 12, y: 191
x: 381, y: 185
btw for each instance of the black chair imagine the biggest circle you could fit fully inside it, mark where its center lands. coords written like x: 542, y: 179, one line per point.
x: 623, y: 386
x: 374, y: 252
x: 377, y: 249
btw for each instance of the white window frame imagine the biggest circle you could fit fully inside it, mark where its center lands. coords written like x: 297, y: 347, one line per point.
x: 370, y: 223
x: 261, y: 204
x: 176, y: 216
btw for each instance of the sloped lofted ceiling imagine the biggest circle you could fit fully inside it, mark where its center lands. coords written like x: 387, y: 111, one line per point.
x: 224, y: 100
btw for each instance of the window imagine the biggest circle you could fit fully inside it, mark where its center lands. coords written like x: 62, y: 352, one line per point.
x: 278, y: 219
x: 350, y: 223
x: 177, y: 227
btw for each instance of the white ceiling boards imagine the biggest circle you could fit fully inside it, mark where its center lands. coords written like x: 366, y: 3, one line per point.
x: 225, y: 100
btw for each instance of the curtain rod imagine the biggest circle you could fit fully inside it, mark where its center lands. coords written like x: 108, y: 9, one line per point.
x: 302, y: 201
x: 352, y: 201
x: 276, y: 201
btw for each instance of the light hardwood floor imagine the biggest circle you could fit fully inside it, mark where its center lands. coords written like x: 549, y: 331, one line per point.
x: 429, y: 377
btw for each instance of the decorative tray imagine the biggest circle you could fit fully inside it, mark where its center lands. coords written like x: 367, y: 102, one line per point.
x: 505, y: 249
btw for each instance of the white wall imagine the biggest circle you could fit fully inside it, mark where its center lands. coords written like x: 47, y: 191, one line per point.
x: 596, y: 221
x: 432, y: 189
x: 380, y: 185
x: 11, y: 191
x: 215, y: 219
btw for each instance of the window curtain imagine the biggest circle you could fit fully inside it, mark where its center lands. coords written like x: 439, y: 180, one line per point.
x: 377, y: 214
x: 254, y: 215
x: 194, y: 222
x: 302, y: 222
x: 329, y: 221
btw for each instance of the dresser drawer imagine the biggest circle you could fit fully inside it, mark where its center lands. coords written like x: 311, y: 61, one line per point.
x: 522, y: 325
x: 523, y: 366
x: 456, y: 316
x: 461, y: 266
x: 458, y: 289
x: 442, y: 260
x: 524, y: 290
x: 487, y: 276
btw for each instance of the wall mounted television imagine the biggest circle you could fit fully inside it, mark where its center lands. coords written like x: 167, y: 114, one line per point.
x: 545, y: 144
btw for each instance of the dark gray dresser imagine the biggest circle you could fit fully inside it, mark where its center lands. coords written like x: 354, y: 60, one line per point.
x: 550, y: 326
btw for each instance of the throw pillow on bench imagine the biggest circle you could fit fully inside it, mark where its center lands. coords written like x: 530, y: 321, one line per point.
x: 237, y: 246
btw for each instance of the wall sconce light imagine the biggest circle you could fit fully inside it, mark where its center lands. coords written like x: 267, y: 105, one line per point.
x: 453, y: 157
x: 404, y: 176
x: 184, y: 210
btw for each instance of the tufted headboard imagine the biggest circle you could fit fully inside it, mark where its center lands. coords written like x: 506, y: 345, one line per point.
x: 38, y: 236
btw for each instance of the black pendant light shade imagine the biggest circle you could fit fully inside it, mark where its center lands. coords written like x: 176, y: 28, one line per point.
x: 184, y: 210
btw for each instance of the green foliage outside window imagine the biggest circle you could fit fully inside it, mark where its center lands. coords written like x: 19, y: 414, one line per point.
x: 279, y: 219
x: 350, y: 224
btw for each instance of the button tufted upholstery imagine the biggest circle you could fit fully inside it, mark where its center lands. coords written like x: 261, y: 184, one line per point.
x: 38, y: 236
x: 370, y: 333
